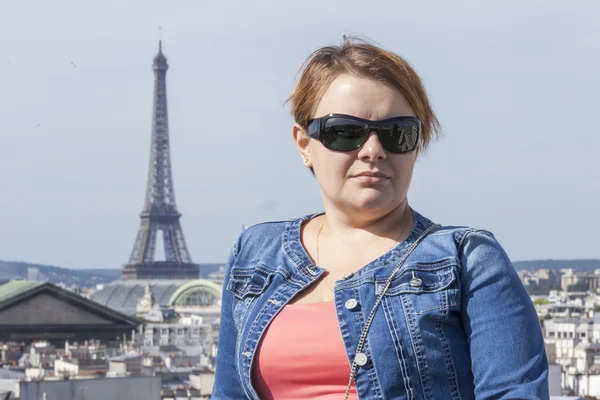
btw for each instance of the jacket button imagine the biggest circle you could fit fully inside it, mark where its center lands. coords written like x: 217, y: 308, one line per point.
x: 348, y: 276
x: 415, y: 282
x: 351, y: 304
x: 361, y: 359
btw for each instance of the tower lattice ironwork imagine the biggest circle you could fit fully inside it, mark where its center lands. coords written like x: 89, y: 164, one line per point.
x: 160, y: 215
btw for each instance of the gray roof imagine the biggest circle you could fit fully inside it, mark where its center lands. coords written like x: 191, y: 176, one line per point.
x: 8, y: 374
x: 164, y: 351
x: 569, y: 320
x: 566, y: 398
x: 552, y: 306
x: 123, y: 296
x: 125, y: 357
x: 594, y: 320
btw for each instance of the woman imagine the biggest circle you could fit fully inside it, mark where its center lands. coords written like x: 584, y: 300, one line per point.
x: 370, y: 299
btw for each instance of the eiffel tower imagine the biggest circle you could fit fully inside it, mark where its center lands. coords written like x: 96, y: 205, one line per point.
x: 160, y: 215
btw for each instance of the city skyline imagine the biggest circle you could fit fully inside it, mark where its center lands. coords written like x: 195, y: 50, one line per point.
x: 513, y: 84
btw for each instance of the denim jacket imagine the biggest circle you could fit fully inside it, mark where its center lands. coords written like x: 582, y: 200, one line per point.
x: 465, y: 329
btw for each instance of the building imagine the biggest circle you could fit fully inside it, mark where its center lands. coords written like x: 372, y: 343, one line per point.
x: 203, y: 381
x: 9, y: 383
x: 575, y: 344
x: 33, y: 274
x: 176, y: 334
x: 135, y: 297
x: 32, y: 311
x: 71, y: 367
x: 126, y: 365
x: 579, y: 281
x: 566, y: 398
x: 561, y: 310
x: 129, y: 388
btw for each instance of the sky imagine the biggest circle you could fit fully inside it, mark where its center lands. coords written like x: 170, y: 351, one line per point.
x: 515, y: 85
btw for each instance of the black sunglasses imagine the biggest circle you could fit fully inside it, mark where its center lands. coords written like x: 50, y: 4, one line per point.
x: 341, y: 132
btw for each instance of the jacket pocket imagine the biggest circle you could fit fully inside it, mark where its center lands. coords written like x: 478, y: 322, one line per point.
x: 247, y: 282
x: 424, y: 286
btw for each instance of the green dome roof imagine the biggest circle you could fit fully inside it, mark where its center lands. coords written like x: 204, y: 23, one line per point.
x: 192, y: 286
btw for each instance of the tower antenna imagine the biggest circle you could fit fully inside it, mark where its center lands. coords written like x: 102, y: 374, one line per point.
x: 160, y: 38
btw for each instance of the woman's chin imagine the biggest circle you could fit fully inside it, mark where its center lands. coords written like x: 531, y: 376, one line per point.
x: 373, y: 202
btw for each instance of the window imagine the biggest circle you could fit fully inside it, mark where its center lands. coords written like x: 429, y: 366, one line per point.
x: 196, y: 332
x: 198, y: 298
x: 179, y: 332
x: 164, y: 331
x: 550, y: 334
x: 582, y: 334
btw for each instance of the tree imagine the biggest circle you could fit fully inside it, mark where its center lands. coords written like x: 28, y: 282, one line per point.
x: 540, y: 301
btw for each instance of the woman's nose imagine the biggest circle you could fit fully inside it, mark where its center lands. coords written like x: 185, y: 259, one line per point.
x: 372, y: 149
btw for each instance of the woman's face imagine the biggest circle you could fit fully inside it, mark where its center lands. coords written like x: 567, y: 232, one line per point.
x: 339, y: 173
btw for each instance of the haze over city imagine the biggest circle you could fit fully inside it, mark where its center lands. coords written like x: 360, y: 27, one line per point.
x: 515, y: 86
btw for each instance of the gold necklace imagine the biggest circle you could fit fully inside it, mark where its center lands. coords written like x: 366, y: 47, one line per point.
x: 318, y: 258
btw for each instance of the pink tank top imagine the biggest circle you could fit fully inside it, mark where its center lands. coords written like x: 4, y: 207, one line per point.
x: 302, y: 356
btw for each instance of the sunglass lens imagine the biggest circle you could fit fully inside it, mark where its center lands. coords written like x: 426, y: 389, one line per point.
x: 400, y: 137
x: 342, y: 134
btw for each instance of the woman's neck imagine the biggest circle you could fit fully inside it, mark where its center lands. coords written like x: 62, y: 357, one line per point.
x: 398, y: 221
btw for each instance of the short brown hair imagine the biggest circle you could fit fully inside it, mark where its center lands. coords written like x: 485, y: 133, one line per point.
x: 360, y: 58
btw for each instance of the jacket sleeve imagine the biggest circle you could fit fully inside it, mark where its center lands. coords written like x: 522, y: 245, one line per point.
x: 227, y: 382
x: 508, y: 358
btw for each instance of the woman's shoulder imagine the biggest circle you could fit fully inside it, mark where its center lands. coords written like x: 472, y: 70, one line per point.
x: 459, y: 235
x: 471, y: 247
x: 272, y: 229
x: 269, y: 234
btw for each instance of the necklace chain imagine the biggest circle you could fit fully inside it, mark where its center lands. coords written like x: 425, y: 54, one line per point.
x: 378, y: 300
x: 318, y: 258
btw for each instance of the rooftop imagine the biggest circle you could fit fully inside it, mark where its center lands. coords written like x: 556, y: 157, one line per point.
x: 9, y: 374
x: 13, y: 288
x: 126, y: 357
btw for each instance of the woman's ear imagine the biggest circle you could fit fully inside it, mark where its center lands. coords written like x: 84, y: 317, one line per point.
x: 302, y: 141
